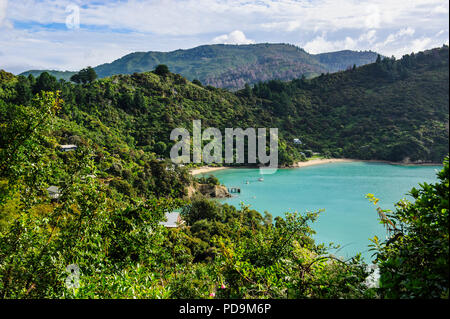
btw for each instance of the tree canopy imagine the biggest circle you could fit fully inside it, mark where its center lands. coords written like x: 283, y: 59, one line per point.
x: 414, y: 260
x: 87, y: 75
x: 162, y: 70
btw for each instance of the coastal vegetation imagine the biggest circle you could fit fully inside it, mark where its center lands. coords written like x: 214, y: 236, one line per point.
x: 393, y: 110
x: 414, y: 260
x: 116, y: 186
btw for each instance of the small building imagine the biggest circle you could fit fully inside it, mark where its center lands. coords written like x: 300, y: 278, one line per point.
x: 54, y: 192
x: 170, y: 167
x: 234, y: 189
x: 297, y: 141
x: 68, y: 147
x: 173, y: 220
x: 88, y: 176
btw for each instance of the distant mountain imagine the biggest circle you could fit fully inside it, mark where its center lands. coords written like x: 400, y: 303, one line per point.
x: 231, y: 66
x: 394, y: 110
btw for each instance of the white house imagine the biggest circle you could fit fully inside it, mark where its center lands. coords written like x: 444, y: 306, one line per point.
x: 173, y: 220
x: 68, y: 147
x: 297, y: 141
x: 54, y: 192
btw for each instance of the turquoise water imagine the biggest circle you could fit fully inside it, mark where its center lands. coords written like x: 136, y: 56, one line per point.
x: 349, y: 218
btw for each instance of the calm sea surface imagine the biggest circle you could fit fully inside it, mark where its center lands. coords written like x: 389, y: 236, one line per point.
x: 349, y: 218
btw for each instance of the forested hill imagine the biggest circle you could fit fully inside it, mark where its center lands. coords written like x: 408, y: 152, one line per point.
x: 98, y: 208
x: 388, y: 110
x: 232, y: 66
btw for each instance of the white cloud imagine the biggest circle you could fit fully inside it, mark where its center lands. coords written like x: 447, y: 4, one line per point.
x: 188, y: 17
x: 397, y: 43
x: 420, y: 44
x: 130, y: 25
x: 368, y: 37
x: 441, y: 9
x: 401, y: 33
x: 373, y: 17
x: 288, y: 26
x: 412, y: 45
x: 321, y: 44
x: 63, y: 50
x: 3, y: 6
x: 235, y: 37
x: 406, y: 31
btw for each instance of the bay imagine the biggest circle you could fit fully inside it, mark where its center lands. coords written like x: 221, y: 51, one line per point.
x: 349, y: 219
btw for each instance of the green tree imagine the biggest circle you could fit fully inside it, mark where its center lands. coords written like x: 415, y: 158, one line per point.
x: 161, y: 70
x: 76, y: 78
x: 87, y: 75
x: 201, y: 208
x: 414, y: 260
x: 23, y: 89
x: 160, y: 148
x: 84, y: 227
x: 45, y: 82
x: 247, y: 90
x: 139, y: 100
x: 91, y: 75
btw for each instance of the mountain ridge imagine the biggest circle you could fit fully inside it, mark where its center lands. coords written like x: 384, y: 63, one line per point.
x: 232, y: 66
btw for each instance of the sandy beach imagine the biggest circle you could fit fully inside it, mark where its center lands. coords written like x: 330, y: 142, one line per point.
x: 318, y: 161
x: 344, y: 160
x: 206, y: 169
x: 323, y: 161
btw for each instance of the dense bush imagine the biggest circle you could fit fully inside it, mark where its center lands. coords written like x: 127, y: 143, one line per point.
x: 114, y: 189
x: 414, y: 260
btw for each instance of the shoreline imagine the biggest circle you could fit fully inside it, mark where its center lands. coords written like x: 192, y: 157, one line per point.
x: 313, y: 162
x: 206, y: 169
x: 320, y: 161
x: 348, y: 160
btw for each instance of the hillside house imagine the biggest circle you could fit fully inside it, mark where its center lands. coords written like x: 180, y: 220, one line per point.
x: 54, y: 192
x: 68, y: 147
x: 173, y: 220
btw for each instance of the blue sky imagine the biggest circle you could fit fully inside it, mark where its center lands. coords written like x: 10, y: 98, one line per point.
x: 44, y: 34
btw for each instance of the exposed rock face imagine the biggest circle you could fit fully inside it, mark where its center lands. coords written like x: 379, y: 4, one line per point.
x: 216, y: 191
x: 221, y: 191
x: 191, y: 191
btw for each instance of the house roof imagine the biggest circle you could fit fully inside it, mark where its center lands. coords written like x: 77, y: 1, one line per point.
x: 54, y: 192
x: 172, y: 220
x: 53, y: 189
x: 68, y: 146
